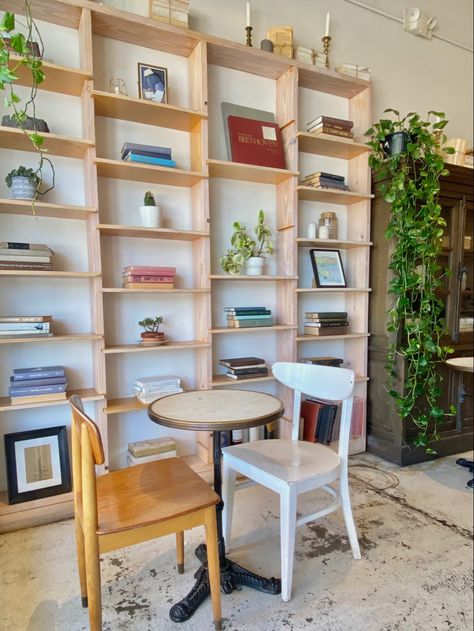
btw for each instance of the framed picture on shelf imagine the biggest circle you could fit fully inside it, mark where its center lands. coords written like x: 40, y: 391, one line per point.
x: 327, y: 268
x: 37, y: 464
x: 152, y: 83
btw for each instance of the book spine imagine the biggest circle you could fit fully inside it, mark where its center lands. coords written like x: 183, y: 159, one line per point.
x: 46, y: 374
x: 326, y: 314
x: 14, y: 245
x: 250, y: 323
x: 255, y: 316
x: 25, y: 326
x: 326, y: 323
x: 26, y: 266
x: 132, y: 157
x: 325, y: 330
x: 252, y: 376
x: 30, y: 254
x: 149, y: 269
x: 13, y: 258
x: 246, y: 309
x: 38, y: 382
x: 151, y: 154
x: 25, y: 318
x: 148, y: 285
x: 148, y: 278
x: 30, y: 390
x: 248, y: 371
x: 131, y: 146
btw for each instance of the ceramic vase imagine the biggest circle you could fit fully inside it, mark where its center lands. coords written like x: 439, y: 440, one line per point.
x: 150, y: 216
x: 254, y: 265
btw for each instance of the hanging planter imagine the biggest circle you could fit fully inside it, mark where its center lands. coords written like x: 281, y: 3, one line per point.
x: 395, y: 143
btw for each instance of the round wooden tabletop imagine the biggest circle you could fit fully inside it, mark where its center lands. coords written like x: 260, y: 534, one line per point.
x: 213, y: 410
x: 464, y: 364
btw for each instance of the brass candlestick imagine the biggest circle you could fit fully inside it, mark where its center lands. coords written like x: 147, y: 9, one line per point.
x: 326, y: 41
x: 249, y: 36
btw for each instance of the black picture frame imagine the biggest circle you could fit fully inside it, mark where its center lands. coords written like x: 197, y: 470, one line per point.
x: 327, y: 268
x: 37, y: 464
x: 150, y: 78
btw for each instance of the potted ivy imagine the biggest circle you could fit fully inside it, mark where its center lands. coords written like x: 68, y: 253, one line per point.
x: 23, y: 183
x: 150, y: 213
x: 247, y: 251
x: 151, y: 330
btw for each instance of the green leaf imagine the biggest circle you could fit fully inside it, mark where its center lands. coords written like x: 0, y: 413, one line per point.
x: 8, y: 22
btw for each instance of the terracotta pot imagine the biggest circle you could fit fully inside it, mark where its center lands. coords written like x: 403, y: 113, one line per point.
x: 158, y: 337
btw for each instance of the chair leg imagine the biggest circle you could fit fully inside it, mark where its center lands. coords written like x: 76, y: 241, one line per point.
x: 228, y: 492
x: 180, y: 551
x: 288, y: 501
x: 348, y: 518
x: 94, y: 598
x: 213, y: 566
x: 81, y: 560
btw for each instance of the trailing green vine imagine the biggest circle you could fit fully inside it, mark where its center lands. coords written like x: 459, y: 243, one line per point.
x: 411, y: 187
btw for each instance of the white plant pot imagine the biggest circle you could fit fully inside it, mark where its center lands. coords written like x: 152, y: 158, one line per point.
x: 254, y: 265
x: 150, y: 216
x: 22, y: 188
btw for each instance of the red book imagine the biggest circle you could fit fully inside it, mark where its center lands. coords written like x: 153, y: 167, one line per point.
x: 149, y: 269
x: 309, y: 413
x: 256, y: 142
x: 147, y: 278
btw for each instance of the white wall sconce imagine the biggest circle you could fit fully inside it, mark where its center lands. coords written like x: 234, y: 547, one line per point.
x: 419, y: 22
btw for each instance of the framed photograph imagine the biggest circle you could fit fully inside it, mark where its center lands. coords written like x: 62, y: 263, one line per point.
x: 327, y: 268
x: 37, y: 464
x: 152, y: 83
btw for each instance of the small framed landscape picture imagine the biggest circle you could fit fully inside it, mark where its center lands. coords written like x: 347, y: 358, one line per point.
x: 37, y: 464
x: 152, y: 83
x: 327, y: 268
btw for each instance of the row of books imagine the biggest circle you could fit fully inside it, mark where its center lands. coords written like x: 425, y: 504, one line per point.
x: 332, y: 126
x: 325, y: 323
x: 42, y: 383
x: 25, y: 326
x: 245, y: 317
x: 25, y: 256
x: 148, y: 276
x: 147, y: 154
x: 322, y: 179
x: 143, y: 451
x: 148, y: 389
x: 320, y: 421
x: 244, y: 367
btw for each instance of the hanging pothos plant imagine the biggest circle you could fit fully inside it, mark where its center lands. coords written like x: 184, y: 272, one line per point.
x: 20, y: 41
x: 409, y: 174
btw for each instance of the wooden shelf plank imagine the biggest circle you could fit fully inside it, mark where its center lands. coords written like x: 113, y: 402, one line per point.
x: 322, y: 338
x: 302, y: 242
x: 58, y: 78
x: 332, y: 146
x: 221, y: 380
x: 124, y: 405
x: 47, y: 274
x: 123, y: 290
x: 169, y: 346
x: 44, y: 209
x: 11, y: 138
x: 71, y: 337
x: 86, y: 394
x: 248, y: 172
x: 347, y: 290
x: 147, y: 112
x: 243, y: 277
x: 326, y: 195
x: 147, y: 173
x: 275, y: 327
x: 112, y: 230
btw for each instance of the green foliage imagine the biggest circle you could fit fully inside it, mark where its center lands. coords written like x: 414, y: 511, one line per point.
x: 149, y: 199
x: 23, y: 172
x: 411, y: 187
x: 151, y: 325
x: 243, y: 246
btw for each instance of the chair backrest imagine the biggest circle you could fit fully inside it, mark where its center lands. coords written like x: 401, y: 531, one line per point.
x: 322, y: 382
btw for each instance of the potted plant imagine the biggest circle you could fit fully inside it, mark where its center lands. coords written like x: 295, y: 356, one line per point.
x: 23, y: 183
x: 151, y: 332
x: 150, y: 213
x: 248, y: 251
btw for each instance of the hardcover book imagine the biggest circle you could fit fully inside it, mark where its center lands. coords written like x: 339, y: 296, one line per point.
x: 133, y: 157
x: 132, y: 146
x: 26, y: 318
x: 231, y: 109
x: 234, y: 362
x: 41, y: 372
x: 325, y: 330
x: 14, y: 245
x: 149, y: 269
x: 309, y: 413
x: 148, y: 285
x: 38, y: 398
x: 256, y: 142
x: 17, y: 390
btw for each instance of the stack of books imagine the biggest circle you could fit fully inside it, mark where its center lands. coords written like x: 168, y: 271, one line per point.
x: 33, y: 385
x: 336, y: 362
x: 27, y: 256
x: 318, y: 420
x: 149, y: 450
x: 319, y: 58
x: 332, y: 126
x: 147, y: 154
x: 322, y: 179
x: 174, y: 12
x: 25, y: 326
x: 245, y: 367
x: 325, y: 323
x: 148, y: 277
x: 148, y: 389
x: 354, y: 70
x: 244, y: 317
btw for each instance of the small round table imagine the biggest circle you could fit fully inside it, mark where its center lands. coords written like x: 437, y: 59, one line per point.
x: 216, y: 411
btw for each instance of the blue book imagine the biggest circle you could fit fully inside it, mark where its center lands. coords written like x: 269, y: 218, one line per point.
x: 132, y: 146
x: 244, y: 309
x: 17, y: 391
x: 133, y: 157
x: 42, y: 372
x: 152, y: 154
x: 37, y: 382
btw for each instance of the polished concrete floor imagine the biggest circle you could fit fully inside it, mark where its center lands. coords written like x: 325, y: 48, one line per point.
x: 415, y: 531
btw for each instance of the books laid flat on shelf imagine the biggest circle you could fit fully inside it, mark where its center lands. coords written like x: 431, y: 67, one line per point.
x: 163, y: 162
x: 256, y: 142
x: 330, y: 120
x: 243, y: 374
x: 149, y: 277
x: 245, y: 367
x: 325, y: 180
x: 242, y: 362
x: 325, y: 330
x: 132, y: 460
x: 148, y: 285
x: 325, y: 323
x: 14, y: 327
x: 174, y: 12
x: 26, y: 318
x: 38, y: 398
x: 354, y: 70
x: 15, y: 255
x: 150, y: 149
x: 149, y: 269
x: 40, y: 372
x: 148, y: 389
x: 147, y: 154
x: 152, y: 449
x: 323, y: 361
x: 245, y: 317
x: 43, y: 383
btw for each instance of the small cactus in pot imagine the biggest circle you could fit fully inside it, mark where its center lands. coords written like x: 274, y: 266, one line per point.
x: 150, y: 212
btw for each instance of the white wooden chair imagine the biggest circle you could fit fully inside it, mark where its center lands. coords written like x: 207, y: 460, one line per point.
x: 291, y: 467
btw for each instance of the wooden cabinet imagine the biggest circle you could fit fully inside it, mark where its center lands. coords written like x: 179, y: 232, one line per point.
x: 388, y: 436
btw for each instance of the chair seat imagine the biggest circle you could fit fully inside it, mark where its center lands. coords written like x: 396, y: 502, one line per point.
x: 136, y: 496
x: 286, y: 460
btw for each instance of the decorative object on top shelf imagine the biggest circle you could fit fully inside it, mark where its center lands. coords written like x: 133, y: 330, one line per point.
x: 319, y: 58
x: 175, y: 12
x: 282, y: 38
x: 23, y: 182
x: 118, y: 86
x: 457, y: 155
x: 152, y: 333
x: 246, y: 250
x: 416, y: 317
x: 30, y: 123
x: 150, y: 212
x: 152, y: 83
x: 354, y: 70
x: 17, y: 50
x: 266, y: 45
x: 327, y: 39
x: 327, y: 268
x: 304, y: 54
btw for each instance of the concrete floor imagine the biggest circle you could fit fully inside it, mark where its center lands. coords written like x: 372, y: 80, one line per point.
x: 415, y: 531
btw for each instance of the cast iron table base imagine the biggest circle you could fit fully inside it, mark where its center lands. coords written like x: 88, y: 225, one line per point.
x: 462, y: 462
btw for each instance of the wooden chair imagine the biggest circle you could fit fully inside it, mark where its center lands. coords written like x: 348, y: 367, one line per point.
x: 291, y: 467
x: 133, y: 505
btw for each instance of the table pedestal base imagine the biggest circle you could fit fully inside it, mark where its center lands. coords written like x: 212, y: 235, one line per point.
x: 232, y: 576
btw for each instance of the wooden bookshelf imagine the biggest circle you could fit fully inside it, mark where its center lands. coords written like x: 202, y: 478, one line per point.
x: 322, y: 338
x: 302, y: 242
x: 55, y: 144
x: 18, y: 273
x: 218, y: 381
x: 243, y: 277
x: 168, y: 346
x: 326, y: 195
x: 70, y: 337
x: 58, y: 78
x: 248, y: 172
x: 253, y: 329
x: 330, y: 146
x: 112, y: 230
x: 44, y: 209
x: 86, y: 394
x: 146, y: 173
x: 331, y: 290
x: 144, y: 290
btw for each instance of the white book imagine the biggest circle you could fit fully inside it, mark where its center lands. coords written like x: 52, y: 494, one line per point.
x: 149, y: 398
x: 132, y: 460
x: 20, y: 258
x: 163, y: 380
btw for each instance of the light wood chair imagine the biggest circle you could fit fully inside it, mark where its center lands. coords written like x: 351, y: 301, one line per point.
x: 133, y: 505
x: 291, y: 467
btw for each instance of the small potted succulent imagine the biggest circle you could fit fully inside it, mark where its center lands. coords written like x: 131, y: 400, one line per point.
x: 151, y: 332
x: 150, y: 213
x: 247, y: 251
x: 23, y: 183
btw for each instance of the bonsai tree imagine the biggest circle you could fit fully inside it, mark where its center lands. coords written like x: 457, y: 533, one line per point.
x: 151, y: 325
x: 409, y: 180
x: 243, y: 246
x: 149, y: 199
x: 22, y: 171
